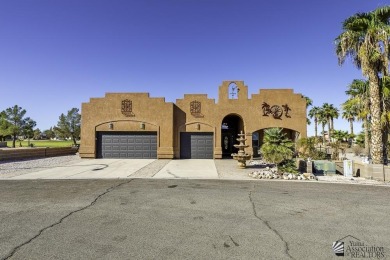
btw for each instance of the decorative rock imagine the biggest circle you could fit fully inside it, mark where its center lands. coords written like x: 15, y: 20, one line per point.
x: 290, y: 176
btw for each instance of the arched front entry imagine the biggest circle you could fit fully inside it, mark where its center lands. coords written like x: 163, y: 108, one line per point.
x: 258, y: 136
x: 231, y: 126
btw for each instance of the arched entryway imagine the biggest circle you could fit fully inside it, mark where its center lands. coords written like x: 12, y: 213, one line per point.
x: 231, y: 126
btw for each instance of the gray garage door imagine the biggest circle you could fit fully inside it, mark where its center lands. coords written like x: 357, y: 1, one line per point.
x: 131, y: 145
x: 196, y: 145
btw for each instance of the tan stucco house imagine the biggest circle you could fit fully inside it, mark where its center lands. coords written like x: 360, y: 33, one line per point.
x: 135, y: 125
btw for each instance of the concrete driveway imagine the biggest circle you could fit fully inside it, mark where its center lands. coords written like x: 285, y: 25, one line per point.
x: 194, y: 169
x: 90, y: 169
x: 124, y: 168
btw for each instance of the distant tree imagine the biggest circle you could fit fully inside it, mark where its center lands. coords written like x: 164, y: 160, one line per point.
x: 15, y: 116
x: 330, y: 112
x: 28, y: 129
x: 4, y: 126
x: 307, y: 148
x: 37, y: 134
x: 61, y: 129
x: 349, y: 113
x: 360, y: 139
x: 322, y: 119
x: 339, y: 136
x: 49, y: 133
x: 315, y: 113
x: 68, y: 125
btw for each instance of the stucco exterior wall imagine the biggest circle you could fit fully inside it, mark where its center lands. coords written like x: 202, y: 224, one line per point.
x: 248, y: 109
x: 154, y: 113
x: 169, y: 120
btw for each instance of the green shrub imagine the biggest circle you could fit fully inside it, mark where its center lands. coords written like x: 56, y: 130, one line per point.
x: 288, y: 166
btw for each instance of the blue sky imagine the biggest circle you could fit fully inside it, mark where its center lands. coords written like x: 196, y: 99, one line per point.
x: 54, y: 55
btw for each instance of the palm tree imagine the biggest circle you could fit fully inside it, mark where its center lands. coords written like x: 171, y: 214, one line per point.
x: 330, y: 112
x: 276, y: 147
x: 385, y: 117
x: 365, y: 38
x: 339, y: 136
x: 315, y: 113
x: 359, y: 99
x: 309, y: 102
x: 322, y: 119
x: 350, y: 114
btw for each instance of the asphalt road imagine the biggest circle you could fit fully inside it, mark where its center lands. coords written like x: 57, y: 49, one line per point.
x: 188, y: 219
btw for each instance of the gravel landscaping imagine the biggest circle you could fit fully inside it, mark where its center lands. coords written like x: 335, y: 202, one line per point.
x: 15, y: 168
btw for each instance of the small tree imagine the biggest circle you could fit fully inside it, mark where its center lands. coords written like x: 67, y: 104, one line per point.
x: 4, y: 126
x: 49, y: 133
x: 306, y: 147
x: 37, y: 134
x: 69, y: 125
x: 337, y: 145
x: 277, y: 147
x: 28, y: 129
x: 16, y: 121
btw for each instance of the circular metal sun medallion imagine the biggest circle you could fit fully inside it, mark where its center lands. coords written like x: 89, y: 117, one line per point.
x: 276, y: 111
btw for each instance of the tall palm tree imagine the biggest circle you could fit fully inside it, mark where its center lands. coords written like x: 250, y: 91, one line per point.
x: 309, y: 102
x: 365, y: 38
x: 359, y: 99
x: 323, y: 120
x: 350, y: 114
x: 385, y: 117
x: 330, y: 112
x: 314, y: 112
x: 333, y: 115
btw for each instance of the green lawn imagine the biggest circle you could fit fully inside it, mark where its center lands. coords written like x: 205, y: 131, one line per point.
x: 42, y: 143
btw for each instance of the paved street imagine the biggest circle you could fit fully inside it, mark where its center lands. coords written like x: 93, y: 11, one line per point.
x: 187, y: 219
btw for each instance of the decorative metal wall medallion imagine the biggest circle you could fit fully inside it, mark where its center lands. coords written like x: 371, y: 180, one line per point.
x: 196, y: 108
x: 275, y: 110
x: 127, y: 107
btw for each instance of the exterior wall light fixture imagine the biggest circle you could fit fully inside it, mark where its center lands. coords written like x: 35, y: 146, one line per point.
x: 198, y: 126
x: 142, y: 126
x: 111, y: 126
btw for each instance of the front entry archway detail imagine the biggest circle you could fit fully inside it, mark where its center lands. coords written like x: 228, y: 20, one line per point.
x: 231, y: 126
